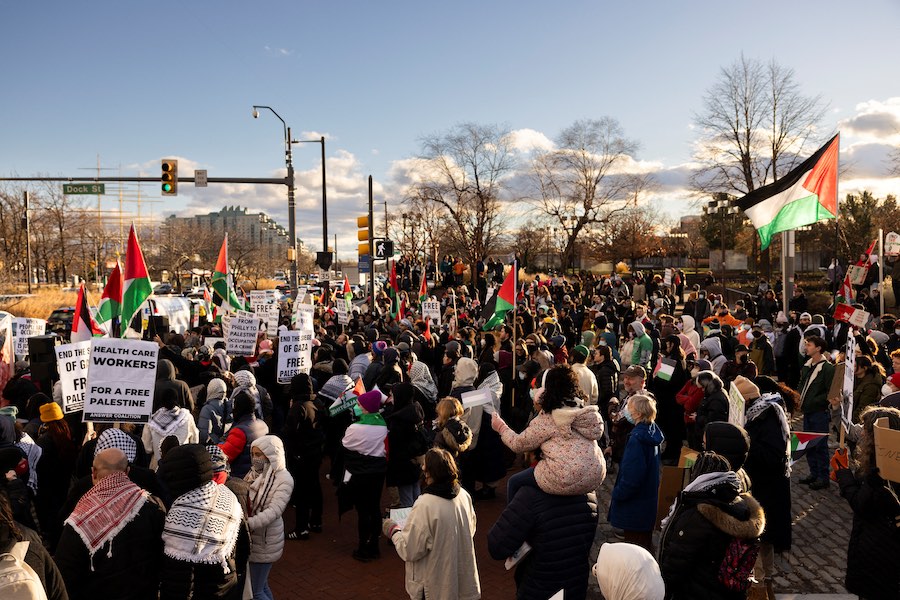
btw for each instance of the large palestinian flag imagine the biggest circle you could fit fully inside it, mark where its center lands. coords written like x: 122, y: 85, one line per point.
x: 804, y: 196
x: 136, y: 288
x: 801, y: 441
x: 224, y: 295
x: 83, y: 325
x: 505, y: 299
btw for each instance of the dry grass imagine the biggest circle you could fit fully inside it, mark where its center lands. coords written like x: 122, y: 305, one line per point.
x: 42, y: 303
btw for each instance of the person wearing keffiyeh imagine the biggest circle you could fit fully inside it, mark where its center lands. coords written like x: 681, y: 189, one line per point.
x: 111, y: 544
x: 169, y: 419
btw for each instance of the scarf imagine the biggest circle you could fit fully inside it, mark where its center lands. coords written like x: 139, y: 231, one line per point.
x: 261, y: 486
x: 448, y: 490
x: 165, y: 422
x: 105, y: 510
x: 33, y: 452
x: 420, y: 377
x: 705, y: 483
x: 773, y: 401
x: 203, y: 525
x: 116, y: 438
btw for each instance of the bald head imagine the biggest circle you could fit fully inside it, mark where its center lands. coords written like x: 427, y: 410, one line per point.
x: 108, y: 461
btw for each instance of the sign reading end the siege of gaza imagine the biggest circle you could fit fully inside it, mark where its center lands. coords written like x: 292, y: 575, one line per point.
x: 120, y: 382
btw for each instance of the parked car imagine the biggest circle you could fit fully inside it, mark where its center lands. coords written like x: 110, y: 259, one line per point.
x: 163, y: 288
x: 60, y: 321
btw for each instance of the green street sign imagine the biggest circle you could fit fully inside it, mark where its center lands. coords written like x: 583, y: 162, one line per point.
x: 84, y: 188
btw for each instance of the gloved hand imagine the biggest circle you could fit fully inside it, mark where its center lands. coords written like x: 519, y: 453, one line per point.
x: 389, y: 528
x: 839, y: 460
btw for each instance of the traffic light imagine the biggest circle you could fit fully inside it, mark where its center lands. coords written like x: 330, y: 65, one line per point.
x: 169, y: 177
x: 363, y: 235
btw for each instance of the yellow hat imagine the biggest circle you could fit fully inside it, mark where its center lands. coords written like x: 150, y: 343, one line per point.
x: 51, y: 412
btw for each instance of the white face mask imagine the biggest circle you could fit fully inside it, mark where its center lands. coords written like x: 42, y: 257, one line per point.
x: 887, y: 389
x: 897, y: 331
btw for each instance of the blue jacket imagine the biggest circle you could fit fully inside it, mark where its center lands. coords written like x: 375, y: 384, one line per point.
x: 636, y: 493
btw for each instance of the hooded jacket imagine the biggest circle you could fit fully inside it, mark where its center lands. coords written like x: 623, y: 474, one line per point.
x: 165, y: 422
x: 165, y: 379
x: 634, y: 497
x: 571, y: 461
x: 642, y: 350
x: 713, y: 345
x: 689, y: 330
x: 270, y: 491
x: 733, y: 443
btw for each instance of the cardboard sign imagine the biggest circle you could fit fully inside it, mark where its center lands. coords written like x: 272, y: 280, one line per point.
x: 857, y: 274
x: 672, y: 481
x: 294, y: 354
x: 736, y: 407
x: 241, y: 337
x: 688, y: 457
x: 887, y: 450
x: 25, y: 328
x: 892, y: 244
x: 304, y: 317
x: 431, y: 309
x: 855, y: 316
x: 72, y: 362
x: 120, y: 382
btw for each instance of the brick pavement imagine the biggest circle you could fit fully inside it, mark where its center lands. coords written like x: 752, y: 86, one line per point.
x: 322, y: 567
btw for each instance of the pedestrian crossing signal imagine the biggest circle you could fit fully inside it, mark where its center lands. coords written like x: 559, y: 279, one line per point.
x: 169, y: 177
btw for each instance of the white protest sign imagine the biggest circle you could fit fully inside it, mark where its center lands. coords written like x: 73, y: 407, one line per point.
x: 226, y: 325
x: 400, y: 516
x: 343, y: 313
x: 736, y: 406
x: 270, y: 314
x: 24, y: 329
x: 294, y: 354
x: 892, y: 244
x: 241, y: 337
x: 847, y: 384
x: 304, y: 317
x: 120, y: 382
x: 667, y: 277
x: 72, y: 363
x: 483, y: 397
x: 431, y: 309
x: 246, y: 314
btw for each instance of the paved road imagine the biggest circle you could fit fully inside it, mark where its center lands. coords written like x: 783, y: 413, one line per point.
x: 322, y: 567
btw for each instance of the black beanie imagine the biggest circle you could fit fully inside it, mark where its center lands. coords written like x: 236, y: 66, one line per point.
x: 185, y: 468
x: 730, y: 441
x: 301, y: 387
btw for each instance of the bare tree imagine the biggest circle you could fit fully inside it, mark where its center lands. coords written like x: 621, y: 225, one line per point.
x: 755, y: 126
x: 631, y: 233
x: 461, y: 172
x: 581, y: 183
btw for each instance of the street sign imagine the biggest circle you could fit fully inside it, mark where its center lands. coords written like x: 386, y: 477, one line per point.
x: 84, y: 188
x: 364, y: 264
x: 384, y: 249
x: 199, y: 177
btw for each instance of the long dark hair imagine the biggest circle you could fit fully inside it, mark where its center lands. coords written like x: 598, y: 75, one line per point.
x: 561, y: 388
x: 6, y: 517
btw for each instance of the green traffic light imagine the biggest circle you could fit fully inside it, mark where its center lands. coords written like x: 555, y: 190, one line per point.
x: 167, y: 187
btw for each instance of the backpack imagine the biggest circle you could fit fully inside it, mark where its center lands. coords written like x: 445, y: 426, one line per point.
x: 736, y: 569
x: 18, y: 581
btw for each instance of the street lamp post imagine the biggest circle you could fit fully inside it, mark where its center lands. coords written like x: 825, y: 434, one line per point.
x: 292, y: 225
x: 722, y: 207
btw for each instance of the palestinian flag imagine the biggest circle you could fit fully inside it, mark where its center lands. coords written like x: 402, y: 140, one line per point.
x: 348, y: 293
x: 137, y: 286
x: 846, y: 291
x: 110, y: 308
x: 394, y: 291
x: 806, y: 195
x: 423, y: 290
x: 505, y: 299
x: 347, y: 399
x: 83, y: 325
x: 801, y: 441
x: 224, y: 295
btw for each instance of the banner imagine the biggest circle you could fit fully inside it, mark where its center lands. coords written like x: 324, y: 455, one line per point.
x: 294, y: 354
x: 24, y: 329
x: 72, y: 363
x: 241, y: 337
x: 120, y: 381
x: 431, y: 309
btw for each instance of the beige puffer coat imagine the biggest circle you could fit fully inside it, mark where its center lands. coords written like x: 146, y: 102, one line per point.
x: 270, y: 492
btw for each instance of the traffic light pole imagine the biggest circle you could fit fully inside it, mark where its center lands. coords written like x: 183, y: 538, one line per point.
x: 371, y: 256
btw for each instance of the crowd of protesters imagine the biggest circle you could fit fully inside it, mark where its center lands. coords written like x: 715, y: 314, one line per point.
x: 586, y: 374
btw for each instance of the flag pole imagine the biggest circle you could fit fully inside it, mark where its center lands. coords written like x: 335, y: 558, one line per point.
x: 881, y: 270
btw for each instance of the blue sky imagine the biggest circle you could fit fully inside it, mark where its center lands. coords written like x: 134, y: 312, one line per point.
x: 133, y: 82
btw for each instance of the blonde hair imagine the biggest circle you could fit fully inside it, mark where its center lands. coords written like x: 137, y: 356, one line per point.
x: 644, y: 406
x: 446, y: 409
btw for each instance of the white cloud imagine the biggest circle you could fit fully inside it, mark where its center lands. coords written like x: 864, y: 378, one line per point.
x: 529, y: 140
x: 875, y: 120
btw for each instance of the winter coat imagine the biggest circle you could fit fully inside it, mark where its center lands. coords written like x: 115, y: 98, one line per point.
x: 38, y: 559
x: 814, y: 384
x: 560, y: 531
x: 571, y: 461
x: 455, y: 437
x: 182, y: 427
x: 713, y: 345
x: 587, y: 382
x: 165, y: 380
x: 365, y: 445
x: 402, y: 467
x: 874, y: 539
x: 670, y: 414
x: 866, y: 392
x: 767, y: 467
x: 304, y: 438
x: 635, y: 495
x: 237, y: 442
x: 643, y: 346
x: 689, y: 398
x: 607, y: 375
x: 270, y: 492
x: 713, y: 407
x: 182, y: 580
x: 437, y: 546
x: 694, y: 542
x: 211, y: 424
x: 125, y: 568
x: 689, y: 329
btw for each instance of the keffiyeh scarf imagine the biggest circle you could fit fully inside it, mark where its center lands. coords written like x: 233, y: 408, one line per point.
x: 420, y: 377
x: 165, y: 422
x: 105, y: 510
x: 705, y: 483
x: 203, y: 525
x: 773, y: 401
x: 116, y: 438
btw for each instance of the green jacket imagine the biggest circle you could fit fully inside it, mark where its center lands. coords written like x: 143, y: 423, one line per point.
x: 814, y: 394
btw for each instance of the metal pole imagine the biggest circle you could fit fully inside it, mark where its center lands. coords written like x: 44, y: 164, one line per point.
x: 325, y: 204
x: 722, y: 233
x: 881, y: 270
x: 27, y: 244
x: 371, y: 256
x: 292, y: 217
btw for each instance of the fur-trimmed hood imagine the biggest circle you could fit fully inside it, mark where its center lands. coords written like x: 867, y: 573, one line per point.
x: 744, y: 518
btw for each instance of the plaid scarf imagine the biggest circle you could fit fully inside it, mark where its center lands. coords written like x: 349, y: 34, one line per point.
x: 203, y: 525
x: 116, y: 438
x: 105, y: 510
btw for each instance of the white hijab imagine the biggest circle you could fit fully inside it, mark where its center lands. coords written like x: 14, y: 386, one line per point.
x: 628, y: 572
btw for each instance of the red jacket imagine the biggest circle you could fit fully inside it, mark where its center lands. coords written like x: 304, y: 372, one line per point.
x: 689, y: 397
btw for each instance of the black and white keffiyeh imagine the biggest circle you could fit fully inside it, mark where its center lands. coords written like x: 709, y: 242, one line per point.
x: 166, y: 422
x: 705, y: 483
x: 773, y: 402
x: 116, y: 438
x: 203, y: 525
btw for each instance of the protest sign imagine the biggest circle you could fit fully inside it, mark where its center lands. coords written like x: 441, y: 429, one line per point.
x: 483, y: 397
x: 855, y: 316
x: 671, y: 482
x: 857, y: 274
x: 72, y: 363
x: 212, y: 341
x: 847, y: 384
x: 431, y: 309
x: 887, y: 450
x: 226, y: 324
x: 241, y: 337
x: 24, y: 329
x: 7, y: 358
x: 667, y: 278
x: 892, y: 244
x: 304, y: 317
x: 294, y: 348
x: 400, y: 516
x: 343, y: 312
x: 120, y: 381
x: 736, y: 407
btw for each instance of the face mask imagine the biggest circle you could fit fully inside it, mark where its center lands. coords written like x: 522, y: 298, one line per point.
x: 631, y: 334
x: 357, y: 411
x: 603, y: 343
x: 897, y: 331
x: 628, y: 417
x: 886, y: 390
x: 536, y: 395
x: 482, y: 343
x: 522, y: 376
x: 679, y: 326
x: 745, y: 327
x: 259, y: 464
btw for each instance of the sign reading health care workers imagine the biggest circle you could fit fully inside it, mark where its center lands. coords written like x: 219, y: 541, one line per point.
x: 72, y: 363
x: 120, y: 382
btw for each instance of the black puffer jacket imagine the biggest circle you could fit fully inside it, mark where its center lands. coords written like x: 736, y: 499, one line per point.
x: 695, y: 539
x: 125, y: 569
x: 874, y: 540
x: 560, y: 530
x: 402, y: 468
x: 713, y: 407
x: 766, y: 466
x: 38, y: 559
x: 182, y: 580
